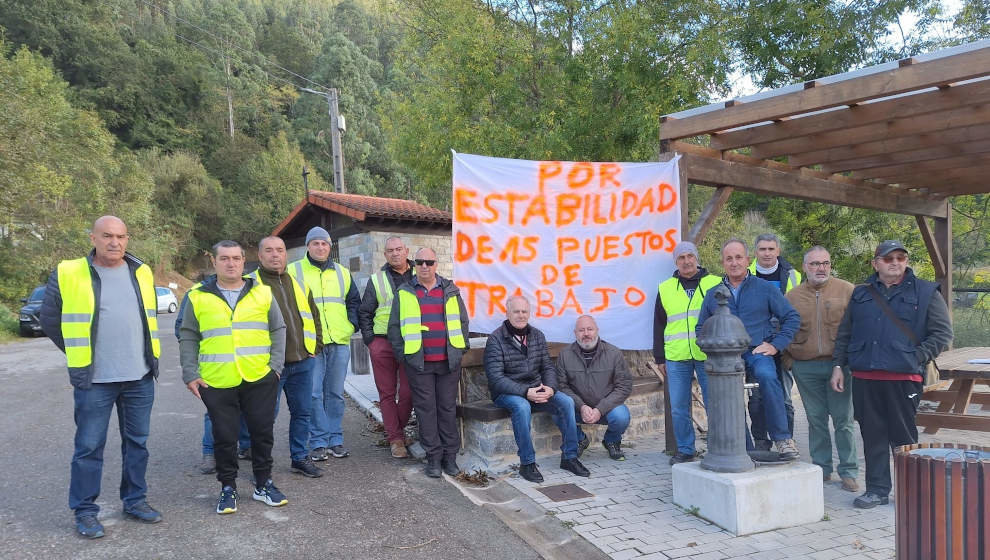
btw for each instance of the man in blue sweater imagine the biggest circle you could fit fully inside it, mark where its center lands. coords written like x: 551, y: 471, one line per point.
x: 757, y: 302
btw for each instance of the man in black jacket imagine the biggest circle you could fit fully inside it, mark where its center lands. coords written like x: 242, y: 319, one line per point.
x: 521, y: 379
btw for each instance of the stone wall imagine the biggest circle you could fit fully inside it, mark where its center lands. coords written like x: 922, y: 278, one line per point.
x: 365, y: 252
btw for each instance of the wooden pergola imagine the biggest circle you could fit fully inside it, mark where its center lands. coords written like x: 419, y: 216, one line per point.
x: 899, y: 137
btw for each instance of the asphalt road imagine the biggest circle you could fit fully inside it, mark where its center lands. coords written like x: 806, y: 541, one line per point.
x: 367, y: 505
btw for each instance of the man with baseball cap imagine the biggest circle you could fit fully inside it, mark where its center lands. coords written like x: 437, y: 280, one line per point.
x: 674, y: 342
x: 894, y: 325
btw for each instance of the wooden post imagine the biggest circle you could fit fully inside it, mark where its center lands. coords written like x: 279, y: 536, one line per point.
x: 943, y: 240
x: 711, y: 211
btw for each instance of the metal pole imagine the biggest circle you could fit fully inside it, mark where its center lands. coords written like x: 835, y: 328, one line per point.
x: 305, y: 175
x: 338, y: 155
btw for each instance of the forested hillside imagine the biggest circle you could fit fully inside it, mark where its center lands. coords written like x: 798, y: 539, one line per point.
x: 186, y: 119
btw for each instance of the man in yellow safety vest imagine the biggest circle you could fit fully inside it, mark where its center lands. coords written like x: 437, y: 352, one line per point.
x: 102, y: 311
x: 390, y: 376
x: 232, y: 348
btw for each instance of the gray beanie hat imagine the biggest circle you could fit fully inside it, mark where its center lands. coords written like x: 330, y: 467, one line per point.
x: 685, y: 247
x: 317, y: 233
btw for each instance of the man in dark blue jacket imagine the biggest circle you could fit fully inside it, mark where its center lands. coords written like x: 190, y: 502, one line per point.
x: 887, y: 363
x: 758, y: 303
x: 521, y: 379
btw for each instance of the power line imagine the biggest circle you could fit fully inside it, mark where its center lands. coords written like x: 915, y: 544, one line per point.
x: 219, y: 38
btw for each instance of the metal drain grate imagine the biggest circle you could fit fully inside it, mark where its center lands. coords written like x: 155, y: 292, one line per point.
x: 564, y: 492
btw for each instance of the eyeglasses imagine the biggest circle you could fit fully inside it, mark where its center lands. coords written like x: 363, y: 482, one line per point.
x: 891, y: 258
x: 822, y: 264
x: 421, y: 262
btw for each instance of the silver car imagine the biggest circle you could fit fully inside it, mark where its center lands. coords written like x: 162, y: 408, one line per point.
x: 166, y: 300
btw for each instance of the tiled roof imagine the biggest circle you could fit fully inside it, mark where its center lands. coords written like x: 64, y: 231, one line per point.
x: 360, y: 207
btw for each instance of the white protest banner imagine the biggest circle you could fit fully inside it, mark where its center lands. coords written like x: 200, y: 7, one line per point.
x: 573, y: 237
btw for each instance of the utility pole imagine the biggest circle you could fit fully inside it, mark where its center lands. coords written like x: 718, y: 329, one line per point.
x: 305, y: 175
x: 336, y: 127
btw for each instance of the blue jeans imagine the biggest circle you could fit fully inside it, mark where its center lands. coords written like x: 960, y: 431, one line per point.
x: 297, y: 382
x: 561, y: 408
x: 133, y: 400
x: 617, y: 421
x: 679, y: 377
x: 243, y: 437
x: 764, y: 369
x: 329, y: 372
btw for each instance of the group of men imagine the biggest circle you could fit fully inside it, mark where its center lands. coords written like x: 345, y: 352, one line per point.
x: 245, y: 339
x: 873, y: 340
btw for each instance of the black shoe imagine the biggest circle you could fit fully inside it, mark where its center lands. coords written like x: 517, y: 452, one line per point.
x: 433, y: 469
x: 208, y: 465
x: 531, y: 473
x: 339, y: 451
x: 615, y: 450
x: 319, y: 454
x: 143, y: 513
x: 449, y: 466
x: 681, y: 458
x: 583, y: 445
x: 574, y: 466
x: 763, y: 444
x: 244, y: 454
x: 870, y: 500
x: 89, y: 527
x: 306, y: 468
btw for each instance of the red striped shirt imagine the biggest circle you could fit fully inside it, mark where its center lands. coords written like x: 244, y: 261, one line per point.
x: 434, y: 318
x: 881, y: 375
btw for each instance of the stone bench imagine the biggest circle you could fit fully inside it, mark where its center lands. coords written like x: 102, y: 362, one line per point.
x: 488, y: 443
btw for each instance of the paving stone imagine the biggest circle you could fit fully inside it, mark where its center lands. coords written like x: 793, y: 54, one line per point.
x: 624, y: 554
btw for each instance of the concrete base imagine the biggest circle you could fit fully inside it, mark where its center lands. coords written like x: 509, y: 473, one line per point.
x: 767, y: 498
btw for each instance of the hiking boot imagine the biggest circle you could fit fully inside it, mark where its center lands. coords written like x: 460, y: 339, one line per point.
x: 763, y: 444
x: 870, y: 500
x: 319, y: 454
x: 208, y: 465
x: 583, y: 445
x: 227, y: 503
x: 531, y: 473
x: 89, y: 527
x: 399, y: 450
x: 681, y: 458
x: 787, y: 450
x: 614, y: 450
x: 339, y: 451
x: 244, y: 454
x: 269, y: 495
x: 449, y: 466
x: 850, y: 484
x: 432, y: 469
x: 143, y: 513
x: 574, y: 466
x: 306, y: 468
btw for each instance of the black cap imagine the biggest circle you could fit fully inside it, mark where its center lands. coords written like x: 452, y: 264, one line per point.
x: 887, y: 247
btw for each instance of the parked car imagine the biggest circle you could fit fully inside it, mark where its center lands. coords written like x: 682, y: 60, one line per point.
x: 30, y: 325
x: 166, y: 300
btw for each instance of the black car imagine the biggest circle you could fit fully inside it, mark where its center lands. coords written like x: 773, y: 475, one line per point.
x: 30, y: 325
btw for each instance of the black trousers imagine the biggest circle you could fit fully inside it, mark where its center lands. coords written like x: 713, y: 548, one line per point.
x: 434, y: 395
x: 758, y: 423
x: 885, y: 411
x: 256, y: 401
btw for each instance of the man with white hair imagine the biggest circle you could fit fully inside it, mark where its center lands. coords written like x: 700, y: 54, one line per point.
x: 594, y: 374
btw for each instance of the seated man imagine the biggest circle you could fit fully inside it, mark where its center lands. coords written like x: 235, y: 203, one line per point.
x: 594, y: 374
x: 522, y: 379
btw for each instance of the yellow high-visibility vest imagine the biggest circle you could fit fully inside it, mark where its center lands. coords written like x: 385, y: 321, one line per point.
x: 75, y: 283
x: 793, y: 277
x: 679, y: 339
x: 329, y: 289
x: 235, y: 346
x: 302, y: 304
x: 384, y: 292
x: 411, y: 322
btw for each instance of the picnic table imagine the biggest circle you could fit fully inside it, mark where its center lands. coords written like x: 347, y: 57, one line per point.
x: 953, y: 402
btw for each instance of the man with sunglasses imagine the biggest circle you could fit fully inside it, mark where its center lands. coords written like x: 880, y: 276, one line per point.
x: 887, y: 343
x: 821, y: 301
x: 428, y: 328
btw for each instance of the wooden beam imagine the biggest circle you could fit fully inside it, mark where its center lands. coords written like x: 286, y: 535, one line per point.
x: 892, y: 145
x: 943, y: 240
x: 886, y: 130
x: 944, y: 177
x: 715, y: 172
x: 951, y: 421
x: 859, y: 115
x: 932, y: 245
x: 708, y: 214
x: 936, y: 72
x: 910, y: 156
x: 923, y: 167
x: 981, y: 187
